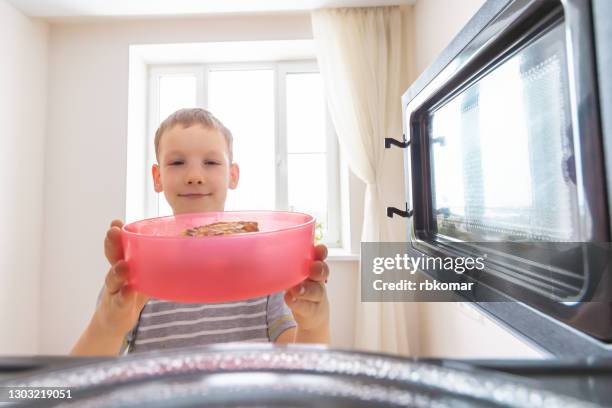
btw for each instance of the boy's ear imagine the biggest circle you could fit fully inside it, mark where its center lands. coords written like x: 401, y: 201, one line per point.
x: 156, y: 178
x: 234, y: 176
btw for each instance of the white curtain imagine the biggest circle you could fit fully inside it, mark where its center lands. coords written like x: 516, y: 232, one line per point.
x: 359, y: 53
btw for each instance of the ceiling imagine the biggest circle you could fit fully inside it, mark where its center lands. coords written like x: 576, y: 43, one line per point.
x: 117, y: 8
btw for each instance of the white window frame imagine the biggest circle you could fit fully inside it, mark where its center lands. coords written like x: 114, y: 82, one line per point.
x: 335, y: 236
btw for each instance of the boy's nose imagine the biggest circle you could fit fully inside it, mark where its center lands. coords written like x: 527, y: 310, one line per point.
x: 195, y: 177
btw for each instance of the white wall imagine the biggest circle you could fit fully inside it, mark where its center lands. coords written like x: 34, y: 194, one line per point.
x: 23, y: 46
x: 461, y: 330
x: 86, y: 156
x: 436, y: 22
x: 453, y: 329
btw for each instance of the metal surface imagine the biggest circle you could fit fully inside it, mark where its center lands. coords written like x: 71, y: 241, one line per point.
x: 267, y: 375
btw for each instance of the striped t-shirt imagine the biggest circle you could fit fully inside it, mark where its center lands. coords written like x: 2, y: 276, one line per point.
x: 164, y: 325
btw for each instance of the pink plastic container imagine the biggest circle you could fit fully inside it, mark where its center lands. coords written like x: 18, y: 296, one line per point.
x: 165, y: 265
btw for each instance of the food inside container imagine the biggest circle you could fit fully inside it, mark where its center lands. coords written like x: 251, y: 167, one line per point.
x: 222, y: 228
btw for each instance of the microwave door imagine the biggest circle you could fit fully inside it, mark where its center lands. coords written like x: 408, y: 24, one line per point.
x: 503, y: 158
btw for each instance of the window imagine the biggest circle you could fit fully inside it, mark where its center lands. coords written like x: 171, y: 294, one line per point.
x: 284, y: 142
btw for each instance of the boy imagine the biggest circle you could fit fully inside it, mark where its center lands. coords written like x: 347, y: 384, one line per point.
x: 194, y: 171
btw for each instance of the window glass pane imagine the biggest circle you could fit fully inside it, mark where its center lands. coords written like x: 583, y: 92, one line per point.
x: 244, y: 101
x: 308, y: 185
x: 175, y: 92
x: 305, y: 113
x: 163, y: 206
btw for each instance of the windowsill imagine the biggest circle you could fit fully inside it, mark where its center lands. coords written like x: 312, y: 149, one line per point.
x: 341, y: 255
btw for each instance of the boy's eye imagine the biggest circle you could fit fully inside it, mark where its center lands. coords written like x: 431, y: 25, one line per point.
x: 211, y: 163
x: 176, y: 163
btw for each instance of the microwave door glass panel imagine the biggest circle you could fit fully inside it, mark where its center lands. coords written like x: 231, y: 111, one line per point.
x: 502, y: 154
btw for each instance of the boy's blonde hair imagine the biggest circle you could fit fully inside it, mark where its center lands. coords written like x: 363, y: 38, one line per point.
x: 193, y: 116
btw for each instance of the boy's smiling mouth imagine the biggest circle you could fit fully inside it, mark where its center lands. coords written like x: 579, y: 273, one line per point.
x: 194, y: 195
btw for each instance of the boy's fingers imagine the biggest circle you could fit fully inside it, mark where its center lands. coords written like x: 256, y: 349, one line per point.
x: 301, y: 307
x: 113, y: 248
x: 308, y: 290
x: 319, y: 271
x: 320, y: 252
x: 116, y: 277
x: 116, y: 223
x: 125, y: 297
x: 141, y: 300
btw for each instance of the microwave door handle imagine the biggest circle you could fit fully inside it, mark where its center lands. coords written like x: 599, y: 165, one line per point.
x: 402, y: 213
x: 403, y: 144
x: 390, y: 141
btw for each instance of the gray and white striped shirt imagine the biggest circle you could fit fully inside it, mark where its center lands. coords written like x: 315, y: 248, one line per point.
x: 164, y: 325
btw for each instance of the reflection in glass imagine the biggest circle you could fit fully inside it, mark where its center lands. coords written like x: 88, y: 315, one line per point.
x: 502, y: 154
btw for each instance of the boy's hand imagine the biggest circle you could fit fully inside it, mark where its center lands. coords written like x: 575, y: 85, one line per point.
x: 308, y: 300
x: 120, y: 306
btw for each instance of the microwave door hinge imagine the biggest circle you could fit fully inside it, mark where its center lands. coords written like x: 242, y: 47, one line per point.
x: 406, y: 214
x: 390, y: 141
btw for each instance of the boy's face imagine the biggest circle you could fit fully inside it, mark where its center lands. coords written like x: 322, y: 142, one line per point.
x: 194, y: 170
